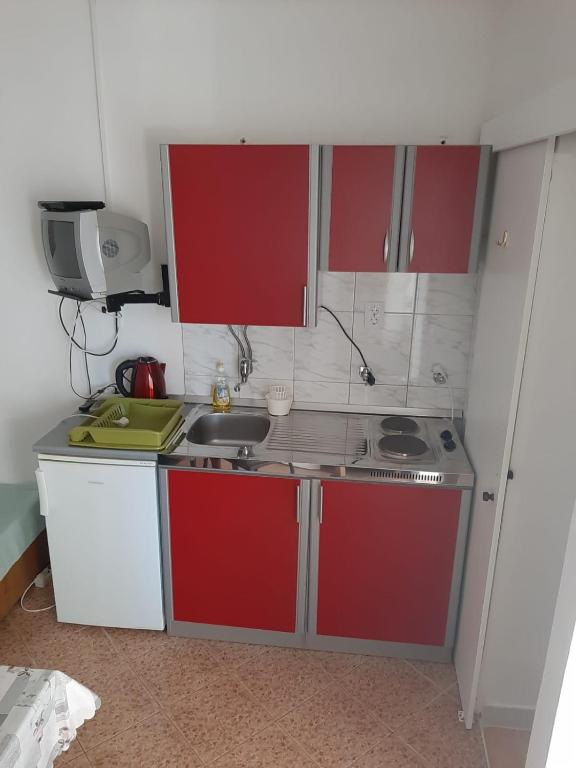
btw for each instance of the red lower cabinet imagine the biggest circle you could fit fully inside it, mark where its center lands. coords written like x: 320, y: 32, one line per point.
x: 234, y: 544
x: 386, y: 556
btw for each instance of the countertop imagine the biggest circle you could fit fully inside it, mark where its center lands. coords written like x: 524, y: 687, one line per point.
x: 281, y: 454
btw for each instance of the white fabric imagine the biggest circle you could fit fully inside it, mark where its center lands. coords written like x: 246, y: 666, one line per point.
x: 40, y: 710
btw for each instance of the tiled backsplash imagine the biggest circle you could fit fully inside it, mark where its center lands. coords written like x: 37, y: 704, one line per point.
x: 426, y: 319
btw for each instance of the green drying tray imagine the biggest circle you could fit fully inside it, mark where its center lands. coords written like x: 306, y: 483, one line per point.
x: 151, y: 422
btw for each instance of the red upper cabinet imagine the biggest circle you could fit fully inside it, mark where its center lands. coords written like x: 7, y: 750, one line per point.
x: 364, y: 206
x: 238, y: 225
x: 385, y: 562
x: 234, y: 548
x: 442, y: 209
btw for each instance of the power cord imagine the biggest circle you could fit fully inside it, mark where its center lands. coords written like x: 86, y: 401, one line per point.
x: 33, y: 610
x: 370, y: 378
x: 84, y: 347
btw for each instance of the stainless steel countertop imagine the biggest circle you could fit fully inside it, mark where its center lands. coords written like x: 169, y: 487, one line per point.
x: 325, y: 444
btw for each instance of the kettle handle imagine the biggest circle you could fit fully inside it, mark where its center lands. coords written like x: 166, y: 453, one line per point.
x: 120, y: 371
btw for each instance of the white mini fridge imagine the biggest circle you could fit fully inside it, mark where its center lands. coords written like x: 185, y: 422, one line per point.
x: 103, y: 531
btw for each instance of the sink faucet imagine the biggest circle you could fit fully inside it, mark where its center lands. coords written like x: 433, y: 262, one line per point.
x: 246, y: 359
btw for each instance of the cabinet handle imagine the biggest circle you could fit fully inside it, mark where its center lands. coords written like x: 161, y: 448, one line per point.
x: 320, y: 508
x: 411, y: 246
x: 305, y: 308
x: 42, y: 492
x: 386, y: 247
x: 298, y: 503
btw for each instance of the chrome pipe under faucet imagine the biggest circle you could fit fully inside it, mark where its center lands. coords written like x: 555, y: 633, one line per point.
x: 245, y: 360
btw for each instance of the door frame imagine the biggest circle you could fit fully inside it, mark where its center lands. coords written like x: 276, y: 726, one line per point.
x: 236, y: 634
x: 440, y: 653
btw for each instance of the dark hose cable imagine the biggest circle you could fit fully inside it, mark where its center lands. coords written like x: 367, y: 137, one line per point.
x: 345, y: 332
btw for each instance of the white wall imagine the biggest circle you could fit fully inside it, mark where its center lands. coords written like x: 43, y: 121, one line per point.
x: 533, y: 51
x: 540, y: 498
x: 48, y: 150
x: 192, y: 70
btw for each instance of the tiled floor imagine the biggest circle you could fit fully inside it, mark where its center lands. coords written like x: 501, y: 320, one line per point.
x: 506, y: 747
x: 191, y: 703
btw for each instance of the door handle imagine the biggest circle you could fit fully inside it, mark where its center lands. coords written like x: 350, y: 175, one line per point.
x: 321, y: 506
x: 42, y: 492
x: 411, y: 247
x: 386, y: 248
x: 298, y: 503
x: 305, y: 308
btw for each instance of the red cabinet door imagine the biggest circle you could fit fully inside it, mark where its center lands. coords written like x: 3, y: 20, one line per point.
x: 361, y: 209
x: 385, y: 562
x: 443, y: 205
x: 240, y: 222
x: 234, y: 550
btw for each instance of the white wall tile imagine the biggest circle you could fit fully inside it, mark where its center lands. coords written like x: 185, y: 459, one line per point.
x: 323, y: 353
x: 336, y: 290
x: 258, y: 388
x: 199, y: 385
x: 273, y: 350
x: 204, y: 345
x: 386, y: 347
x: 321, y: 391
x: 446, y: 294
x: 440, y: 339
x: 379, y: 394
x: 395, y: 290
x: 435, y: 397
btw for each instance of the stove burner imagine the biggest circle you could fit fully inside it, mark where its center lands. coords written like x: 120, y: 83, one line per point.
x: 402, y: 446
x: 401, y: 424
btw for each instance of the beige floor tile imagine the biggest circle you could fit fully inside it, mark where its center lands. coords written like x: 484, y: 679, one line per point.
x: 337, y: 663
x: 281, y: 678
x: 268, y: 749
x: 391, y: 688
x: 506, y: 747
x: 333, y: 727
x: 218, y: 717
x: 13, y: 651
x: 76, y: 654
x: 135, y: 643
x: 79, y: 762
x: 74, y: 751
x: 171, y: 671
x: 390, y: 753
x: 442, y: 675
x: 235, y: 654
x: 155, y: 743
x: 443, y: 741
x: 125, y: 703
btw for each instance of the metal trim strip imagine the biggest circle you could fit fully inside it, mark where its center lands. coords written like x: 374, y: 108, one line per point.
x: 169, y: 229
x: 480, y: 207
x: 313, y: 235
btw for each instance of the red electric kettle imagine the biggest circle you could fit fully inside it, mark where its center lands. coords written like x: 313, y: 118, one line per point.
x: 147, y: 378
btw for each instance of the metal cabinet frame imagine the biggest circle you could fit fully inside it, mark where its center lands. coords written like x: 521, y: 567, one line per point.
x: 309, y: 516
x: 238, y: 634
x: 310, y: 302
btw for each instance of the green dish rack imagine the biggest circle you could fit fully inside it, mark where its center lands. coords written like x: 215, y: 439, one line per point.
x: 150, y: 424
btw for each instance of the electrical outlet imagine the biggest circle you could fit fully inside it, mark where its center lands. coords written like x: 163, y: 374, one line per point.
x: 373, y: 315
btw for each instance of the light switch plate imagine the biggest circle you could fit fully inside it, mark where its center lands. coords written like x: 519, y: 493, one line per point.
x: 373, y: 315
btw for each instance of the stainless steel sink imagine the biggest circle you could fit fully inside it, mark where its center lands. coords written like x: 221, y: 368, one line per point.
x: 233, y: 429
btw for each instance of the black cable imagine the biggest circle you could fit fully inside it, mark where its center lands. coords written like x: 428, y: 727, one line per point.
x: 82, y: 397
x: 82, y: 349
x: 83, y: 324
x: 345, y: 332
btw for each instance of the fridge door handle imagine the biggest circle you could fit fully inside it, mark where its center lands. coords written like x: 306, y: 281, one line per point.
x: 42, y: 492
x: 386, y: 248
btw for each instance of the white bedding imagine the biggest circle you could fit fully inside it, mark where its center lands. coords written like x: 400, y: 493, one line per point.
x: 40, y: 710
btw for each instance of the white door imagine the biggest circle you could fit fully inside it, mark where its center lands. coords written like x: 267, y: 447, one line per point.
x: 506, y: 290
x: 103, y: 535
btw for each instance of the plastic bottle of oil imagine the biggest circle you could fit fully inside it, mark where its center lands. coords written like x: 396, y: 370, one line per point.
x: 220, y: 390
